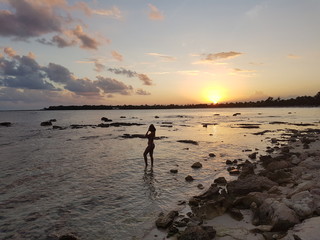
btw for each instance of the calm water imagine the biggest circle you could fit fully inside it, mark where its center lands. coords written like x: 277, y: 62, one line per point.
x: 91, y: 181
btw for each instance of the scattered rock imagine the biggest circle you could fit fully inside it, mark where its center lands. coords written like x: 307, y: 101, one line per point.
x: 253, y: 155
x: 236, y: 114
x: 46, y: 123
x: 200, y: 186
x: 174, y: 170
x: 105, y: 119
x: 197, y: 165
x: 220, y: 180
x: 198, y: 233
x: 189, y: 178
x: 234, y: 171
x: 212, y: 155
x: 235, y: 213
x: 188, y: 141
x: 5, y: 124
x: 229, y: 162
x: 165, y: 221
x: 68, y: 237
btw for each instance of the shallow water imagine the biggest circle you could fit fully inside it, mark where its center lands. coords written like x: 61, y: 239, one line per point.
x: 92, y: 182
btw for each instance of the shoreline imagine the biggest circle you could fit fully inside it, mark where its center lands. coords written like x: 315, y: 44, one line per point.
x: 274, y: 197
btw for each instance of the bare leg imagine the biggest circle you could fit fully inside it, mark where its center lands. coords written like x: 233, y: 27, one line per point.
x: 145, y: 156
x: 151, y: 157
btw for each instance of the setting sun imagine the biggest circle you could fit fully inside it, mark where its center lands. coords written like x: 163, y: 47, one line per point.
x: 213, y: 95
x: 214, y: 98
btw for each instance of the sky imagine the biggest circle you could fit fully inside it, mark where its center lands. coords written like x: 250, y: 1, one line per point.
x: 135, y: 52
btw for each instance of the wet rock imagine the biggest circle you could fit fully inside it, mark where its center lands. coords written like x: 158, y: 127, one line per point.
x: 46, y: 123
x: 253, y: 155
x: 245, y: 202
x: 212, y: 155
x: 5, y: 124
x: 278, y: 165
x: 220, y: 180
x: 197, y: 165
x: 105, y: 119
x: 234, y: 171
x: 165, y: 221
x: 188, y: 141
x: 174, y: 170
x: 189, y: 178
x: 229, y: 162
x: 200, y: 186
x: 172, y: 231
x: 55, y: 127
x: 251, y: 183
x: 247, y: 169
x: 236, y: 114
x: 279, y: 176
x: 213, y: 191
x: 182, y: 223
x: 198, y: 233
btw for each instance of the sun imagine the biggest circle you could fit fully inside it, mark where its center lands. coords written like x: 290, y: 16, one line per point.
x: 214, y: 98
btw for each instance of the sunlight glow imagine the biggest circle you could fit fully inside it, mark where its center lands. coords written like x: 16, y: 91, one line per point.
x: 213, y: 95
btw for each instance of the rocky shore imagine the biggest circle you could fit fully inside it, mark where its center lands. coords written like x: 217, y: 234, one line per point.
x: 276, y: 196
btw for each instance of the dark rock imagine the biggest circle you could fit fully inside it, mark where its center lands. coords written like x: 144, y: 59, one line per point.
x: 156, y: 116
x: 235, y: 214
x: 165, y: 221
x: 5, y: 124
x: 58, y: 127
x: 247, y: 169
x: 251, y: 183
x: 188, y: 141
x: 189, y: 178
x: 174, y: 170
x: 253, y: 155
x: 197, y: 165
x: 212, y: 155
x: 229, y: 162
x: 280, y: 176
x: 200, y: 186
x: 53, y: 120
x: 278, y: 165
x: 236, y: 114
x: 123, y: 117
x: 46, y: 123
x: 106, y: 119
x: 182, y: 223
x: 103, y: 125
x: 234, y: 172
x: 68, y: 237
x: 210, y: 193
x: 198, y: 233
x: 172, y: 231
x: 220, y: 180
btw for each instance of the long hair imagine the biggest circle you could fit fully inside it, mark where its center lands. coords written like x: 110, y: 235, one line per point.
x: 152, y: 128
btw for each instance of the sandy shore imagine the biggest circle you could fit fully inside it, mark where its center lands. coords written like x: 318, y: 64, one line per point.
x: 276, y: 196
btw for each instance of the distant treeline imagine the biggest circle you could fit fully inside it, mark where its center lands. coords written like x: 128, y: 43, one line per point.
x: 304, y: 101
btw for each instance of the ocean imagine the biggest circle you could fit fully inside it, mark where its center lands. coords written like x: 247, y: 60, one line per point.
x: 91, y: 181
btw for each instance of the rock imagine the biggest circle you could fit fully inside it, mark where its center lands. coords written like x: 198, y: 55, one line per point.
x: 311, y: 163
x: 213, y: 191
x: 295, y: 160
x: 212, y: 155
x: 68, y: 237
x: 253, y: 155
x: 182, y: 223
x: 174, y: 170
x: 251, y: 183
x: 156, y: 116
x: 198, y: 233
x: 200, y: 186
x: 188, y: 141
x: 280, y: 176
x: 197, y: 165
x: 164, y: 221
x: 245, y: 202
x: 58, y: 127
x: 303, y: 203
x: 277, y: 214
x: 234, y: 172
x: 307, y: 230
x: 235, y: 214
x: 278, y: 165
x: 247, y: 169
x: 46, y: 123
x: 228, y: 162
x: 236, y: 114
x: 5, y: 124
x: 189, y: 178
x: 172, y: 231
x: 106, y: 119
x: 220, y: 180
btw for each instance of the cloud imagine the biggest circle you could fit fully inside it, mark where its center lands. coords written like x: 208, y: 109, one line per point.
x: 26, y: 19
x: 84, y: 87
x: 58, y: 73
x: 166, y: 58
x: 98, y: 67
x: 142, y: 92
x: 122, y: 71
x: 154, y: 13
x: 238, y: 70
x: 293, y: 56
x: 109, y: 85
x: 9, y: 51
x: 117, y: 56
x: 220, y: 55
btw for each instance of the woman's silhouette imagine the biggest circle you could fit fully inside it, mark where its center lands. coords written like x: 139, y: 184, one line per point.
x: 151, y: 134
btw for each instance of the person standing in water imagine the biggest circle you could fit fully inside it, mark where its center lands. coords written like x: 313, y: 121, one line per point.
x: 151, y: 134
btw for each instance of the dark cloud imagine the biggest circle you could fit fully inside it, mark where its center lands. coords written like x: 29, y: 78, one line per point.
x: 58, y: 73
x: 29, y: 19
x: 109, y: 85
x: 142, y: 92
x: 86, y: 41
x: 84, y: 87
x: 122, y: 71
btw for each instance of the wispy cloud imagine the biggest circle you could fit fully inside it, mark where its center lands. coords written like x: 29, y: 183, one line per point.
x: 164, y: 57
x: 216, y: 58
x: 154, y: 13
x: 116, y: 55
x: 293, y: 56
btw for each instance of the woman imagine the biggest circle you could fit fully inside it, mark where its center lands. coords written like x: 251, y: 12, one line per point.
x: 151, y: 134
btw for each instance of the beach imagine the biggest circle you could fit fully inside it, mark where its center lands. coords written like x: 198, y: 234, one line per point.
x: 76, y: 173
x: 275, y: 197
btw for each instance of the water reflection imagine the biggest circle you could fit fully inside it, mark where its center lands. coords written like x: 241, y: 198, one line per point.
x: 149, y: 182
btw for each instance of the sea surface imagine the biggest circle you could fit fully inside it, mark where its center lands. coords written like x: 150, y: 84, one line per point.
x: 92, y: 182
